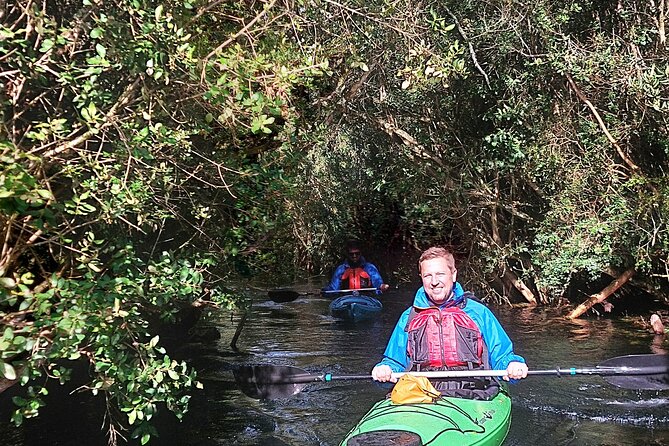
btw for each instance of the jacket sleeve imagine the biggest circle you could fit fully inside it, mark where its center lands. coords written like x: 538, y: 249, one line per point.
x: 335, y: 282
x: 500, y: 347
x: 375, y: 276
x: 395, y: 355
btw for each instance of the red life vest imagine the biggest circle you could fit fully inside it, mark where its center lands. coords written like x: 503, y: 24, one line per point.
x: 444, y: 338
x: 448, y: 338
x: 355, y: 278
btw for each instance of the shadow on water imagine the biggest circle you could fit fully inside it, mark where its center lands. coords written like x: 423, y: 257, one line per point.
x: 575, y: 411
x: 582, y: 410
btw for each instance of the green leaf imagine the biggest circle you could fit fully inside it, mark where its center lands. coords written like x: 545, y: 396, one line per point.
x: 45, y: 194
x: 7, y: 370
x: 96, y: 33
x: 17, y: 418
x: 19, y: 401
x: 154, y: 341
x: 47, y: 44
x: 6, y: 34
x: 7, y: 282
x: 101, y: 50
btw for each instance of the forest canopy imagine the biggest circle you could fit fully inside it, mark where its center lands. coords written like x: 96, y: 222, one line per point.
x: 153, y: 152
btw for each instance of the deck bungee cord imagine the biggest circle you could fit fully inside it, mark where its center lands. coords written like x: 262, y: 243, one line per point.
x: 424, y: 409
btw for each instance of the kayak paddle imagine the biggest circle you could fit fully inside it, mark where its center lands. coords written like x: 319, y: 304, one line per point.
x: 287, y: 295
x: 640, y: 372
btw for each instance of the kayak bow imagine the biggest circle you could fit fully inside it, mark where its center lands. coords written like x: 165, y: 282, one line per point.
x: 447, y: 422
x: 355, y: 307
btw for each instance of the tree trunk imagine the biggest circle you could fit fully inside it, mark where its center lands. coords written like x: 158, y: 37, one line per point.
x: 602, y: 295
x: 513, y: 279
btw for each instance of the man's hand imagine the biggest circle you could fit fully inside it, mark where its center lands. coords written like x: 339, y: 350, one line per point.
x: 383, y: 373
x: 384, y: 287
x: 516, y: 370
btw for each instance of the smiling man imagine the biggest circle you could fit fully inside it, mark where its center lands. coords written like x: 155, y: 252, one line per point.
x: 449, y: 329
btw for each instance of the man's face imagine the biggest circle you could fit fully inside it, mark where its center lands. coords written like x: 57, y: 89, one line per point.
x: 438, y: 277
x: 353, y: 256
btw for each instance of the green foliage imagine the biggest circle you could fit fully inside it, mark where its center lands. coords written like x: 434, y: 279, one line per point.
x: 542, y: 142
x: 106, y: 316
x: 212, y: 141
x: 133, y: 159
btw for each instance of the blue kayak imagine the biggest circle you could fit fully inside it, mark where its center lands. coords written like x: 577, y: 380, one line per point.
x: 354, y: 307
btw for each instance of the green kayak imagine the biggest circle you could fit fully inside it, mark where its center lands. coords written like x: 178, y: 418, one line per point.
x: 447, y: 422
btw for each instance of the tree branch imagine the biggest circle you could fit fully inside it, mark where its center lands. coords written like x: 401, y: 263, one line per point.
x: 472, y: 53
x: 611, y: 139
x: 71, y: 144
x: 234, y: 37
x: 518, y: 284
x: 602, y: 295
x: 660, y: 24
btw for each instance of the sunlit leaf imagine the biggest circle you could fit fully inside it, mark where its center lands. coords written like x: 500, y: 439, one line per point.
x: 7, y: 370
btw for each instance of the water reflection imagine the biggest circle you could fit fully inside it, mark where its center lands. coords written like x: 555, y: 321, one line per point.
x: 548, y: 410
x: 658, y: 345
x: 575, y: 411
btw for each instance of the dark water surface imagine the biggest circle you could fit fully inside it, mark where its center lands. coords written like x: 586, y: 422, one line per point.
x: 575, y: 411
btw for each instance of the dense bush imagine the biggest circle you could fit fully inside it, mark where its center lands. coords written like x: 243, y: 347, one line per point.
x: 152, y: 151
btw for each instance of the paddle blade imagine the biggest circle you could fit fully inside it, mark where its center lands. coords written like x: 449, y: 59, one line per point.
x: 281, y: 296
x: 271, y: 382
x: 643, y: 372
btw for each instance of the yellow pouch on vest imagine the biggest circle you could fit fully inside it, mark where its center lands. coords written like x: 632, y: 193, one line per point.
x: 412, y: 389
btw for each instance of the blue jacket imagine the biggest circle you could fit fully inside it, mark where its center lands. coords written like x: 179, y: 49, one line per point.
x: 369, y: 268
x: 500, y: 347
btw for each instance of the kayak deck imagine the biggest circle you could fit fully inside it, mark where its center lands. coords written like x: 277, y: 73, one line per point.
x: 447, y: 422
x: 355, y: 307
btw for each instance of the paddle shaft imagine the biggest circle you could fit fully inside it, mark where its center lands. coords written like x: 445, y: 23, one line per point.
x: 640, y: 372
x: 284, y: 295
x: 602, y: 371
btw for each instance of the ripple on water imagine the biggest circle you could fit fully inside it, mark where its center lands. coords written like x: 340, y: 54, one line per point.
x: 651, y: 402
x: 574, y: 411
x: 631, y: 415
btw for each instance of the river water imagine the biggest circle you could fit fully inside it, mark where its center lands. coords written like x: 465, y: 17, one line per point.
x: 547, y: 410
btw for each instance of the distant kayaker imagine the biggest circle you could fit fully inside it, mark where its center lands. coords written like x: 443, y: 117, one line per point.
x: 355, y: 272
x: 449, y: 329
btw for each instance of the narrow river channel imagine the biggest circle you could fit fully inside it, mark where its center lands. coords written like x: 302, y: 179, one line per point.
x: 576, y: 411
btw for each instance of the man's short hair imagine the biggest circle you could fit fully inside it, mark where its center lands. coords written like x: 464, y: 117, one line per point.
x: 437, y: 252
x: 352, y: 244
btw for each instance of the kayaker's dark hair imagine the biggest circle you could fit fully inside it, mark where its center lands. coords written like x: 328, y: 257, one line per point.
x: 437, y: 252
x: 352, y: 244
